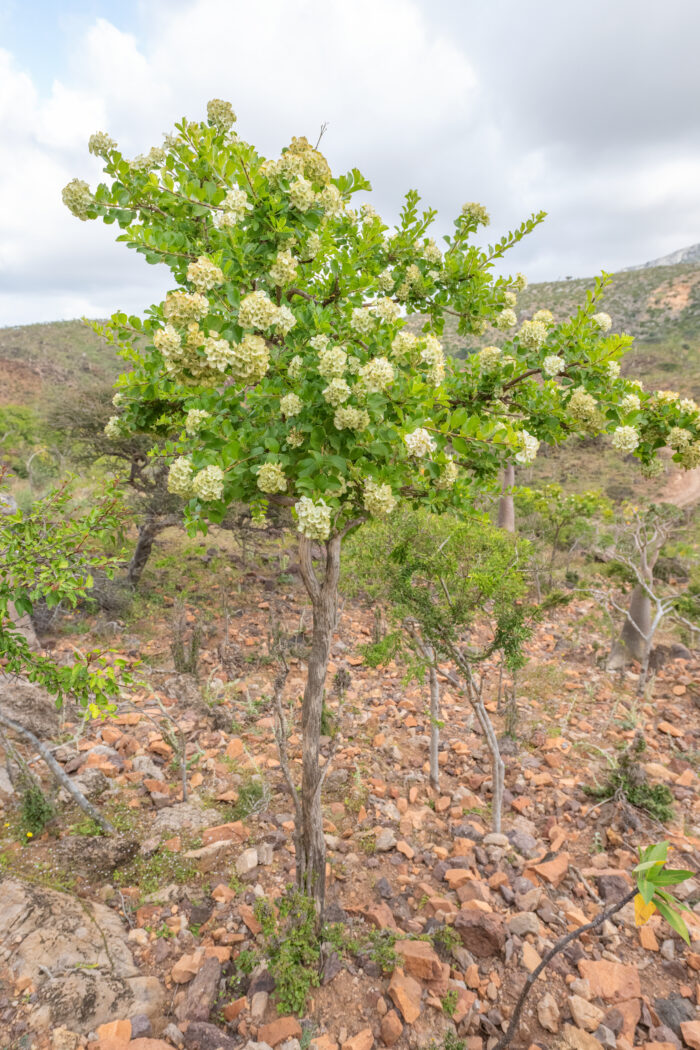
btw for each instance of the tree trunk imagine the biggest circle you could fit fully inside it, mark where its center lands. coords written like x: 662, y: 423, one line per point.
x: 506, y: 506
x: 309, y: 841
x: 434, y: 723
x: 633, y: 641
x: 144, y: 545
x: 498, y: 768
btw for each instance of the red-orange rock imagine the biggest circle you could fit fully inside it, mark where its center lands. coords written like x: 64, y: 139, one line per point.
x: 612, y: 981
x: 279, y: 1031
x: 235, y: 1008
x: 114, y: 1030
x: 691, y: 1034
x: 391, y: 1028
x: 419, y: 959
x: 405, y: 993
x: 554, y: 870
x: 364, y: 1040
x: 482, y: 933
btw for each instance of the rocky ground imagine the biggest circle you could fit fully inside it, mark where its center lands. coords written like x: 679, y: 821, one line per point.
x: 156, y: 937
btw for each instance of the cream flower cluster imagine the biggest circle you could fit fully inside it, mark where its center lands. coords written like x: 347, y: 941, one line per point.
x: 377, y: 374
x: 432, y: 355
x: 113, y: 428
x: 686, y: 404
x: 430, y: 251
x: 476, y: 213
x: 195, y: 420
x: 250, y: 358
x: 369, y: 213
x: 404, y: 345
x: 630, y: 403
x: 256, y: 311
x: 679, y: 438
x: 348, y: 418
x: 313, y: 246
x: 319, y: 342
x: 233, y: 208
x: 553, y: 365
x: 301, y: 194
x: 613, y: 369
x: 180, y: 477
x: 520, y: 282
x: 336, y: 392
x: 546, y: 317
x: 510, y: 299
x: 314, y: 519
x: 181, y: 307
x: 689, y: 457
x: 361, y: 321
x: 652, y: 469
x: 385, y: 281
x: 378, y: 499
x: 221, y: 114
x: 419, y: 443
x: 284, y: 269
x: 143, y: 162
x: 331, y: 200
x: 449, y: 475
x: 603, y: 321
x: 532, y: 334
x: 582, y: 406
x: 167, y: 341
x: 387, y: 310
x: 204, y: 274
x: 528, y: 447
x: 666, y: 397
x: 506, y: 319
x: 294, y: 368
x: 291, y: 405
x: 625, y: 439
x: 118, y: 399
x: 208, y: 484
x: 294, y: 438
x: 489, y: 358
x: 332, y: 362
x: 100, y: 144
x: 271, y: 478
x: 284, y: 320
x: 77, y: 198
x: 220, y: 354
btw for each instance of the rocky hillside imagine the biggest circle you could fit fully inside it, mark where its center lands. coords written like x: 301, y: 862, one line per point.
x: 683, y: 255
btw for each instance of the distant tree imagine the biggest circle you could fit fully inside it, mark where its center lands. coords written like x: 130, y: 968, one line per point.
x: 281, y: 367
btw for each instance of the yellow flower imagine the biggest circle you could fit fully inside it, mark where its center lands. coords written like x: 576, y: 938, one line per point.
x: 30, y: 835
x: 642, y: 911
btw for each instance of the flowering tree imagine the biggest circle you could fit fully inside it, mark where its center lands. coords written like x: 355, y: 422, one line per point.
x: 282, y: 367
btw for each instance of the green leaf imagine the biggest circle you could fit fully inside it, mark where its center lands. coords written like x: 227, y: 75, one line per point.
x: 673, y: 919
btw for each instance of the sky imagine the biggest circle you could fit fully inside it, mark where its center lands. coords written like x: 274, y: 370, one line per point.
x: 587, y: 110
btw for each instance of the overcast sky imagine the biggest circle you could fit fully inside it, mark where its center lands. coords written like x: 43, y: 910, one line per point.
x: 588, y: 110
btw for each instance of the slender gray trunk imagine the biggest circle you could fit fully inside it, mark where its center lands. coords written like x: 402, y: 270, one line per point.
x: 633, y: 642
x: 61, y: 776
x: 506, y: 506
x: 144, y: 546
x: 498, y: 768
x: 434, y: 723
x: 309, y: 841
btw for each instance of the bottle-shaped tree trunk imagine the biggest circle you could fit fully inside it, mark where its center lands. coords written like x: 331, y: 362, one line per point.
x: 506, y: 506
x: 309, y: 841
x: 635, y: 637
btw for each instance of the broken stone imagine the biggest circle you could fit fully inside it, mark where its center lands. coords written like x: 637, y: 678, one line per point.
x: 482, y: 933
x: 247, y: 861
x: 419, y: 959
x: 612, y: 981
x: 391, y: 1028
x: 406, y: 993
x: 585, y: 1014
x: 278, y: 1031
x: 548, y: 1013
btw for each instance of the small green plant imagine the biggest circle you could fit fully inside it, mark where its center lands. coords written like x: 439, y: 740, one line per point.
x: 152, y: 873
x: 382, y: 950
x: 36, y: 810
x: 446, y: 939
x: 449, y: 1001
x: 87, y: 827
x: 628, y: 780
x: 293, y: 949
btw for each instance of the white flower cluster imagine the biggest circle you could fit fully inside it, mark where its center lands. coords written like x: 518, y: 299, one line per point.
x: 348, y: 418
x: 385, y: 281
x: 404, y: 345
x: 313, y: 246
x: 113, y: 428
x: 167, y: 341
x: 284, y: 269
x: 331, y: 200
x: 528, y: 447
x: 378, y: 499
x: 506, y: 319
x: 180, y: 477
x: 476, y: 213
x: 291, y: 405
x: 369, y: 213
x: 690, y: 456
x: 546, y: 317
x: 387, y: 310
x: 532, y: 334
x: 146, y: 161
x: 377, y: 374
x: 77, y: 198
x: 118, y: 399
x: 181, y: 307
x: 666, y: 397
x: 510, y: 299
x: 233, y: 208
x: 686, y: 404
x: 432, y: 355
x: 489, y: 358
x: 448, y: 477
x: 652, y: 469
x: 336, y: 392
x: 221, y: 114
x: 204, y: 274
x: 679, y: 438
x: 195, y: 420
x: 625, y: 439
x: 294, y: 438
x: 419, y: 443
x: 301, y: 194
x: 332, y: 362
x: 319, y: 342
x: 582, y: 406
x: 520, y: 282
x: 314, y: 519
x: 553, y: 365
x: 294, y: 368
x: 284, y: 320
x: 361, y: 321
x: 271, y: 478
x: 256, y: 311
x: 630, y: 403
x: 430, y: 251
x: 613, y: 369
x: 251, y: 359
x: 208, y: 484
x: 220, y: 354
x: 603, y: 321
x: 100, y: 144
